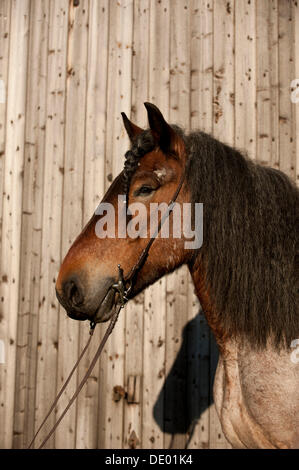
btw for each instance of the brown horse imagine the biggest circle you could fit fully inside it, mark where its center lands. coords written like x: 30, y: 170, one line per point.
x: 245, y: 273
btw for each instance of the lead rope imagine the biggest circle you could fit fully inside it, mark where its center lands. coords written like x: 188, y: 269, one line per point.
x: 87, y: 374
x: 62, y: 389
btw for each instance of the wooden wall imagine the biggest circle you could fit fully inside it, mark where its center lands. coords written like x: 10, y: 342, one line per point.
x: 66, y: 73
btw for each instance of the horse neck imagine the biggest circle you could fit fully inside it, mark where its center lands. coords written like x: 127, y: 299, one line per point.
x: 204, y: 297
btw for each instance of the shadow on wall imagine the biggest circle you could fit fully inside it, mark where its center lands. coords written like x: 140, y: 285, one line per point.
x: 188, y: 388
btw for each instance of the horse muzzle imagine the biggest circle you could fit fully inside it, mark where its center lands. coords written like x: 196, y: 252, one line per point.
x: 87, y: 302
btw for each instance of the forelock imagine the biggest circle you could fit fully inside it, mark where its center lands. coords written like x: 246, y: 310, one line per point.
x: 142, y: 144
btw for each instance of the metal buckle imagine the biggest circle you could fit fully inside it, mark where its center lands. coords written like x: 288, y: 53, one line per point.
x: 92, y: 326
x: 119, y: 286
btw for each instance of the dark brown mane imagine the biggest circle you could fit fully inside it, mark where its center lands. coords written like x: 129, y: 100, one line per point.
x: 250, y: 246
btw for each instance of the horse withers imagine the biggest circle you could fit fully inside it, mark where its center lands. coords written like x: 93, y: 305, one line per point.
x: 245, y: 272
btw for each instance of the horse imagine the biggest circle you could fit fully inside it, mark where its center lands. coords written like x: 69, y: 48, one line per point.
x: 245, y: 272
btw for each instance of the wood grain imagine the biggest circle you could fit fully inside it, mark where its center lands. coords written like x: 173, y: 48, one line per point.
x: 67, y: 70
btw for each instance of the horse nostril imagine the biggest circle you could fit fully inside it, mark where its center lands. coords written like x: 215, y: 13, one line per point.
x: 73, y: 293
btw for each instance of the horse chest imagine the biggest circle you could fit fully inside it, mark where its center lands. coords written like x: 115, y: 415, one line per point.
x: 256, y: 398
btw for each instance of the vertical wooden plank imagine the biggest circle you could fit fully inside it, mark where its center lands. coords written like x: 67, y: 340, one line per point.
x: 135, y: 308
x: 5, y: 29
x: 175, y: 403
x: 140, y: 64
x: 201, y: 118
x: 119, y: 86
x: 198, y: 374
x: 202, y: 65
x: 296, y: 104
x: 12, y: 203
x: 5, y: 7
x: 155, y: 296
x: 68, y: 347
x: 287, y: 143
x: 118, y: 99
x: 245, y: 76
x: 47, y: 345
x: 31, y: 220
x: 176, y: 407
x: 224, y: 79
x: 263, y: 82
x: 133, y: 372
x: 197, y: 435
x: 267, y: 83
x: 274, y: 78
x: 94, y: 184
x: 194, y: 65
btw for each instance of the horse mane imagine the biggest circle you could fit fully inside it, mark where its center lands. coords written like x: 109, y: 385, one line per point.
x: 250, y: 241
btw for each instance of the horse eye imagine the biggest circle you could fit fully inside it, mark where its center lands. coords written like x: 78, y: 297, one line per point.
x: 144, y: 191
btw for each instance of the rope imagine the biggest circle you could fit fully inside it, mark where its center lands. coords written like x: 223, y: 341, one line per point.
x: 83, y: 381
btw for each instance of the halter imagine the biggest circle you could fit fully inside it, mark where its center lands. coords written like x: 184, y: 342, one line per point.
x: 123, y: 287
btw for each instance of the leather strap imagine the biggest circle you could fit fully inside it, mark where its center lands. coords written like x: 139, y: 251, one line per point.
x: 144, y: 253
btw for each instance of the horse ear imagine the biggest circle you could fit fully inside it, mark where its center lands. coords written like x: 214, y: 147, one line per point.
x: 132, y: 129
x: 166, y: 137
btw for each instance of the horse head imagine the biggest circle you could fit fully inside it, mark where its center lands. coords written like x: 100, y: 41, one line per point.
x: 153, y: 170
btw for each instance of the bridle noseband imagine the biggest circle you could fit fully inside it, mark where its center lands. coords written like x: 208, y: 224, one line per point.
x: 119, y: 286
